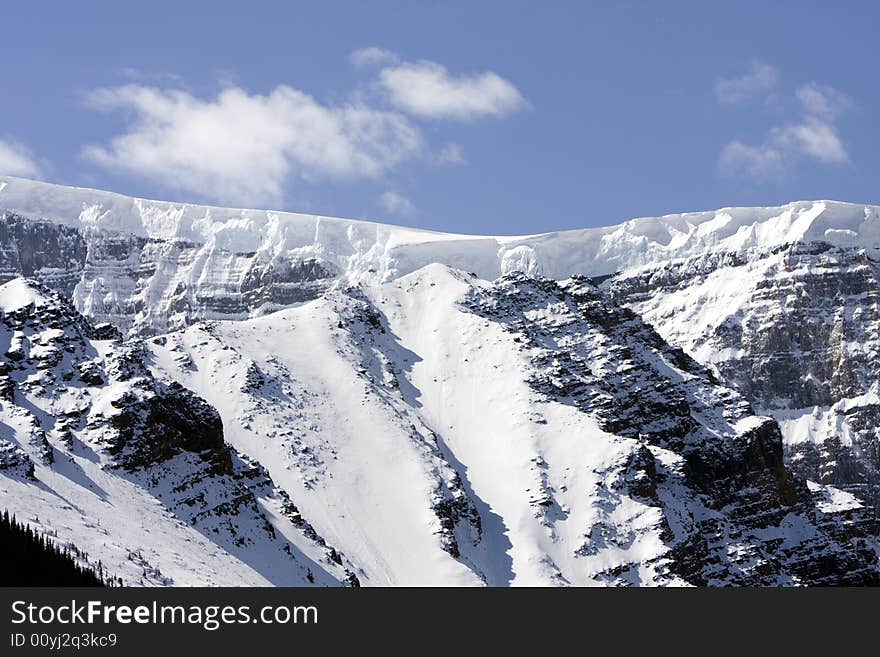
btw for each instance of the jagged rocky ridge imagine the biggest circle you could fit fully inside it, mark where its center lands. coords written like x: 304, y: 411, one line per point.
x: 767, y: 299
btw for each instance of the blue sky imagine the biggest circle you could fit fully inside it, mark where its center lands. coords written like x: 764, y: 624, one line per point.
x: 497, y: 118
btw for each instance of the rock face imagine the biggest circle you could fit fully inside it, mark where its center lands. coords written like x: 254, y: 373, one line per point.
x: 152, y: 266
x: 40, y: 249
x: 713, y: 468
x: 154, y: 421
x: 147, y: 286
x: 797, y: 331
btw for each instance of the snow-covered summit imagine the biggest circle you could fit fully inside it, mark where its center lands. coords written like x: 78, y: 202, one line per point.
x: 19, y: 293
x: 375, y: 252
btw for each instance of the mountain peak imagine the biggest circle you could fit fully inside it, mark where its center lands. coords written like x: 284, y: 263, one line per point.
x: 22, y: 292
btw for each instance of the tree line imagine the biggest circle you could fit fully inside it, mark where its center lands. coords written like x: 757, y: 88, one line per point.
x: 29, y: 558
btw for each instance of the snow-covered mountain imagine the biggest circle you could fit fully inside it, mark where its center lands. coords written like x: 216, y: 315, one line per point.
x: 151, y: 266
x: 303, y: 399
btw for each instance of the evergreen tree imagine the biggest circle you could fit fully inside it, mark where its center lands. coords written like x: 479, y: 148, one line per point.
x: 29, y: 558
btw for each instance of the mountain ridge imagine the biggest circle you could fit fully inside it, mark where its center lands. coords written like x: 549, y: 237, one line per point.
x: 376, y: 252
x: 42, y: 188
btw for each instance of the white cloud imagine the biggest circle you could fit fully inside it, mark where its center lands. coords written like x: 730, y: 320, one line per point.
x: 761, y: 78
x: 428, y: 90
x: 373, y: 56
x: 397, y: 204
x: 822, y: 100
x: 16, y: 160
x: 811, y: 138
x: 450, y: 154
x: 137, y: 75
x: 760, y: 162
x: 240, y: 148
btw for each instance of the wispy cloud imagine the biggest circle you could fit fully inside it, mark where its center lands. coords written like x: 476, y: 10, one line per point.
x: 761, y: 162
x: 397, y: 204
x: 450, y: 154
x: 147, y: 77
x: 822, y: 100
x: 240, y: 147
x: 812, y: 137
x: 760, y: 79
x: 16, y: 160
x: 373, y: 56
x: 428, y: 90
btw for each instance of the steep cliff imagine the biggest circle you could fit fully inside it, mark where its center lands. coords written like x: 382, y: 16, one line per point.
x: 796, y: 329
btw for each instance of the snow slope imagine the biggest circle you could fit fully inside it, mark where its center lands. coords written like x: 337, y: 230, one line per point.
x: 357, y: 466
x: 419, y: 429
x: 375, y: 425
